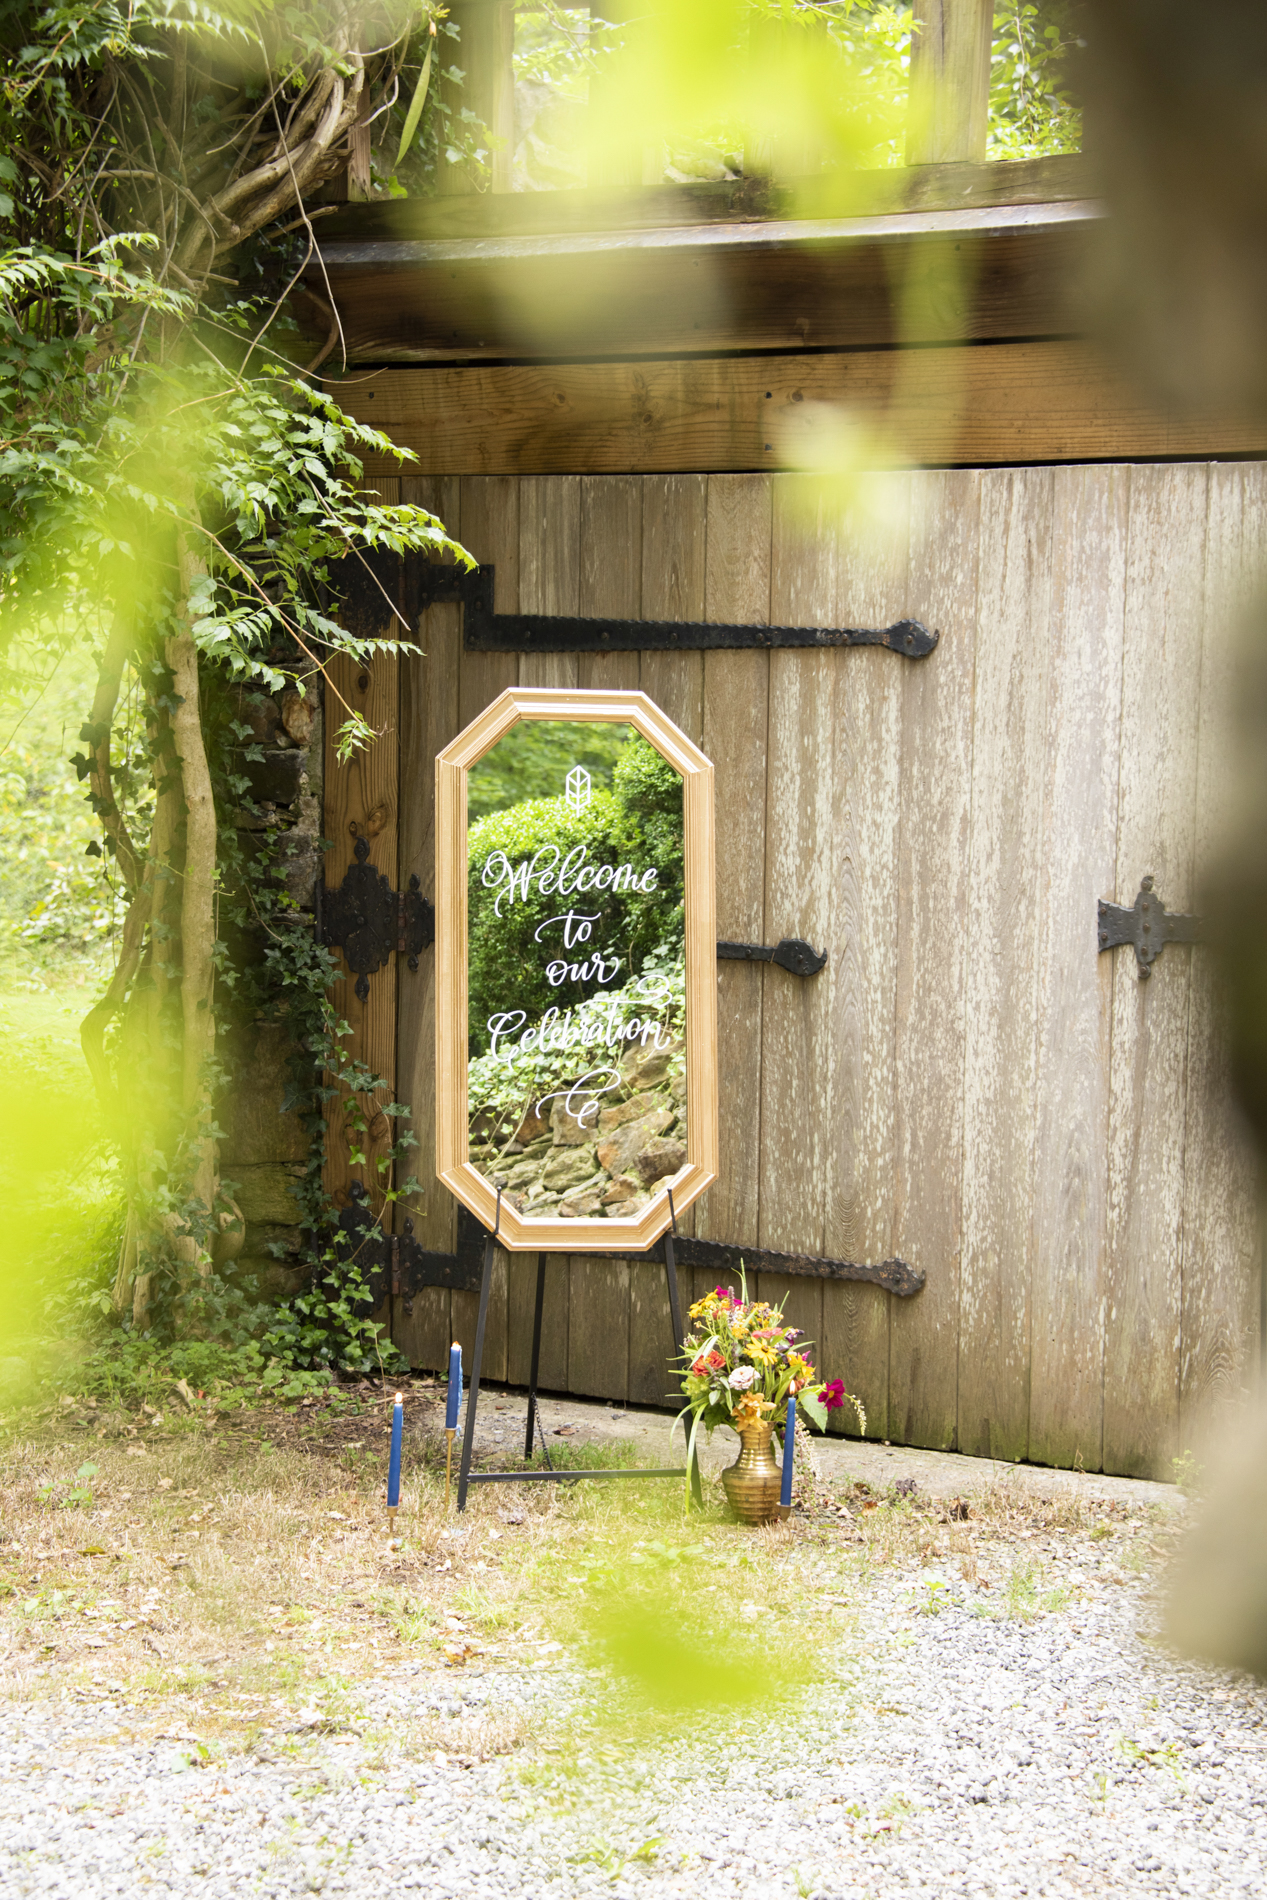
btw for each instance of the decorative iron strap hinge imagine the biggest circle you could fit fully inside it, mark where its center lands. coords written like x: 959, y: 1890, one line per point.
x: 367, y: 919
x: 793, y: 954
x: 486, y: 631
x: 396, y: 1264
x: 1148, y: 926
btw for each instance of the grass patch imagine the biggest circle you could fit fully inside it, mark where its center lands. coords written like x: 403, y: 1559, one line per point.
x: 238, y: 1578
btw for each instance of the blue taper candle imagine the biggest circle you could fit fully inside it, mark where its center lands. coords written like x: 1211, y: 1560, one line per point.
x: 455, y: 1388
x: 789, y: 1439
x: 393, y: 1470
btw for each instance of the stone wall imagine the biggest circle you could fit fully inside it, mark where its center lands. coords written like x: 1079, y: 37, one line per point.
x: 265, y: 1147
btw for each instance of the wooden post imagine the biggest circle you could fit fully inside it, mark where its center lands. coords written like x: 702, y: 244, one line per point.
x: 630, y: 162
x: 485, y: 55
x: 950, y: 81
x: 358, y: 175
x: 783, y: 50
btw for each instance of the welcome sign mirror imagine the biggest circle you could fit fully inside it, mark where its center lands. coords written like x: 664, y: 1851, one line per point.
x: 576, y: 1018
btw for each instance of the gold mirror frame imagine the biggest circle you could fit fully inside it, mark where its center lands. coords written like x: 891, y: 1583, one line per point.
x: 472, y: 1189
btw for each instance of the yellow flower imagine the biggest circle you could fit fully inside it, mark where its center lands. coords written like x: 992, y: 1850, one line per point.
x: 761, y: 1355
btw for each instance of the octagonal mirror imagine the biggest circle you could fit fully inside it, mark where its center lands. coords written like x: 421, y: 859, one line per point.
x: 576, y: 970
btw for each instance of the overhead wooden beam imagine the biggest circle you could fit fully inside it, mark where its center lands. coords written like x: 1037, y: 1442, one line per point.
x: 950, y: 80
x: 1003, y: 403
x: 786, y: 284
x: 624, y: 206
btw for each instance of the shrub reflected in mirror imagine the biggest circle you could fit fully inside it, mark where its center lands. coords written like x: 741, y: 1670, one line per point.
x: 576, y: 969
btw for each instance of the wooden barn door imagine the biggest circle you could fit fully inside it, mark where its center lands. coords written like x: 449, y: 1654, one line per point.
x: 968, y: 1084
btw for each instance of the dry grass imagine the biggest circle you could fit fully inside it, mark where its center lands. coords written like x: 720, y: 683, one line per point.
x: 239, y: 1584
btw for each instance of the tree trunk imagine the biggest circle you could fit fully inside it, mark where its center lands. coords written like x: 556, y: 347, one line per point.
x: 197, y: 921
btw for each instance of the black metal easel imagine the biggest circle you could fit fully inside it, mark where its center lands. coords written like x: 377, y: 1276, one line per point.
x: 466, y: 1476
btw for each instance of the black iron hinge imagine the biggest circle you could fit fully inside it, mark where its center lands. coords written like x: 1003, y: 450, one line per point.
x: 486, y: 631
x: 367, y: 919
x: 793, y: 954
x: 397, y: 1263
x: 1147, y: 926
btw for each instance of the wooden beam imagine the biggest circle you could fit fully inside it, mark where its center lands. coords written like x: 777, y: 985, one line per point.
x: 950, y: 80
x: 941, y: 187
x: 1007, y: 403
x: 915, y: 277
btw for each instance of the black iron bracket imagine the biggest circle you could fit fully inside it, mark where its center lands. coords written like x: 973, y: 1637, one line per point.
x: 367, y: 919
x: 396, y: 1264
x: 486, y: 631
x: 793, y: 954
x: 1147, y: 926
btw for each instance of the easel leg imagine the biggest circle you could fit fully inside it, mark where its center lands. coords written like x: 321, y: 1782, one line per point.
x: 675, y: 1314
x: 536, y: 1354
x: 473, y: 1390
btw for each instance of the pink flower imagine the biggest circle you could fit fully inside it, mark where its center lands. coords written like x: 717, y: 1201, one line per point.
x: 833, y: 1395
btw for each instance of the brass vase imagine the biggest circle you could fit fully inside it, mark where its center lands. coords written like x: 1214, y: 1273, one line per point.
x: 753, y: 1482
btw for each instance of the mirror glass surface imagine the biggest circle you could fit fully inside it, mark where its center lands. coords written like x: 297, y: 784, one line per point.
x: 576, y: 1069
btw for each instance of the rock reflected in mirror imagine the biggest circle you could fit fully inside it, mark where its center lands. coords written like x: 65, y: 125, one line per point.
x: 575, y: 941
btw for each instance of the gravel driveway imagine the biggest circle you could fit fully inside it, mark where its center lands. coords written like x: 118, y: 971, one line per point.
x: 1042, y: 1744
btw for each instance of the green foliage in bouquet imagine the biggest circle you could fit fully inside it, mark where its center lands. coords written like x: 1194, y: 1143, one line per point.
x: 742, y: 1362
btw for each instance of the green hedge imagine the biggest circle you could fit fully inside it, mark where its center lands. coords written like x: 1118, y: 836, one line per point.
x: 638, y: 822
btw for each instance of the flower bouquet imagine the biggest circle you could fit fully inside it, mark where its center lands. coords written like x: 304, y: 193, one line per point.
x: 742, y: 1363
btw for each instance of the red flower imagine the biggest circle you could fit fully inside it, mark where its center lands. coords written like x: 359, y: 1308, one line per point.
x: 708, y: 1364
x: 833, y: 1395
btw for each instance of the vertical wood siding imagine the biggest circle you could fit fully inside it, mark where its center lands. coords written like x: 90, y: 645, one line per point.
x: 968, y: 1084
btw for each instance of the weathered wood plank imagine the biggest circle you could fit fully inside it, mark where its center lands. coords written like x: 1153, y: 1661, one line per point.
x: 802, y: 1305
x: 1156, y: 831
x: 552, y: 1374
x: 674, y: 561
x: 868, y: 775
x: 736, y: 713
x: 549, y: 569
x: 362, y: 801
x: 1221, y: 1244
x: 1009, y: 731
x: 490, y: 518
x: 598, y: 1326
x: 610, y: 571
x: 1079, y: 853
x: 796, y: 1015
x: 610, y: 582
x: 490, y: 530
x: 1011, y: 402
x: 428, y: 718
x: 932, y: 950
x: 653, y: 1375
